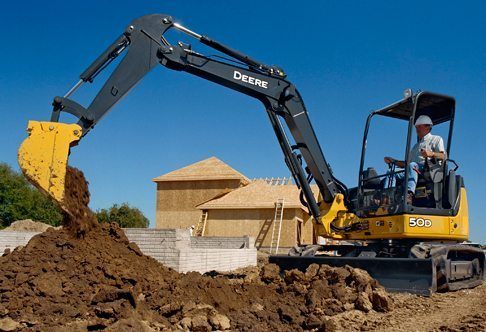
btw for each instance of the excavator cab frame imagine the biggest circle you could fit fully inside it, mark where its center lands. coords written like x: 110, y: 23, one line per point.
x: 380, y: 194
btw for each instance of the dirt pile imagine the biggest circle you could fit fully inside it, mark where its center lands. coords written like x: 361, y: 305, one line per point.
x: 88, y: 276
x: 27, y: 225
x: 102, y: 279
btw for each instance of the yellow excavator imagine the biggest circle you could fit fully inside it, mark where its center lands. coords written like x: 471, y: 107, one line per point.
x: 412, y: 246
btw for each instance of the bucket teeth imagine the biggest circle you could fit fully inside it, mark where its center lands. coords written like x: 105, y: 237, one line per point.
x: 43, y: 156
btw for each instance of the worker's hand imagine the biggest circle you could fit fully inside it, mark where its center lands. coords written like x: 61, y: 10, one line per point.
x: 389, y: 160
x: 426, y: 153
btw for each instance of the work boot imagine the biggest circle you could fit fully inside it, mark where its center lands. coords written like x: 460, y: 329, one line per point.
x: 410, y: 197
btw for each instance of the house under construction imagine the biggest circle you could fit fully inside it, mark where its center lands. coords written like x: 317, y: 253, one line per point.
x: 216, y: 200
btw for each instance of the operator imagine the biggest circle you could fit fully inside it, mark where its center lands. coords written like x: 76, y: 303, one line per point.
x: 428, y: 146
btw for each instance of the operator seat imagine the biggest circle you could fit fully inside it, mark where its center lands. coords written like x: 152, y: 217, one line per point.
x: 371, y: 181
x: 430, y: 185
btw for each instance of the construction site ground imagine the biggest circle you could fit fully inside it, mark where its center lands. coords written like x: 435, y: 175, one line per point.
x: 463, y: 310
x: 89, y: 277
x: 116, y: 288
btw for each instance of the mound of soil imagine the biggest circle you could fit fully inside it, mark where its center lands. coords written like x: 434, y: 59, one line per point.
x: 27, y: 225
x: 101, y: 279
x: 88, y: 276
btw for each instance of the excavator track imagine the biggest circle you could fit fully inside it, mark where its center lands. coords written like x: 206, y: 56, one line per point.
x: 440, y: 268
x: 458, y: 266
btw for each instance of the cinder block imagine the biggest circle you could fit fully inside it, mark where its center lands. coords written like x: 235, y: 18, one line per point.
x: 177, y: 249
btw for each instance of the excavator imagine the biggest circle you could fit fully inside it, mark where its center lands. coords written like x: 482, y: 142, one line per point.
x: 407, y: 246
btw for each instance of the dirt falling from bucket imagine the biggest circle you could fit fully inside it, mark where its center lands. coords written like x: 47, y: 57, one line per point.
x: 78, y: 219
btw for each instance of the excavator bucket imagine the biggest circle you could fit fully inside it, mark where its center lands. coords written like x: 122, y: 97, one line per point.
x: 43, y: 156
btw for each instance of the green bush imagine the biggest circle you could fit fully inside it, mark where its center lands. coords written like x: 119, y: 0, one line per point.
x: 20, y: 200
x: 124, y: 215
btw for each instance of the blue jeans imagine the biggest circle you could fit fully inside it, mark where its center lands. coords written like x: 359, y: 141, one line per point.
x: 412, y: 169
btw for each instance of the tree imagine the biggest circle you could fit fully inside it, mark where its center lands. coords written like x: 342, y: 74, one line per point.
x: 124, y: 215
x: 20, y: 200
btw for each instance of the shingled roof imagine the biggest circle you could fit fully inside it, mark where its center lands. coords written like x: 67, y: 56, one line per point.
x: 207, y: 169
x: 257, y: 195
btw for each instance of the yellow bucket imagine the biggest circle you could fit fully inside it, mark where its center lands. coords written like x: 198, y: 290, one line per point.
x: 43, y: 155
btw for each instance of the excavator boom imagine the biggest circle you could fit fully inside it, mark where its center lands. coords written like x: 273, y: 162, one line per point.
x: 43, y: 156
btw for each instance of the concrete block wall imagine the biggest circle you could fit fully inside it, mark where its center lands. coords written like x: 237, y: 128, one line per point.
x: 177, y: 249
x: 160, y: 244
x: 152, y: 238
x: 11, y: 240
x: 222, y: 242
x: 205, y: 260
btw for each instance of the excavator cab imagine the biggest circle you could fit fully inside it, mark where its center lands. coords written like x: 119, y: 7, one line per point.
x: 438, y: 185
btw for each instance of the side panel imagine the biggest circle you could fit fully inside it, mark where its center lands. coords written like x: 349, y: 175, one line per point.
x: 459, y: 225
x: 411, y: 226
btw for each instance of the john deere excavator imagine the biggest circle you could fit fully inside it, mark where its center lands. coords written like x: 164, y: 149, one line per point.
x: 407, y: 246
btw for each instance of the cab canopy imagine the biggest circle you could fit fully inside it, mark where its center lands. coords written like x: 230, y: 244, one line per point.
x: 440, y: 108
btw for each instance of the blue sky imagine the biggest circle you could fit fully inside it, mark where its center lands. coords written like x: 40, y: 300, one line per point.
x: 346, y: 58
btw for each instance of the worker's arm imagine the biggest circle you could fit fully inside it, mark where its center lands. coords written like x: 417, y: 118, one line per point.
x: 432, y: 154
x: 438, y: 150
x: 399, y: 163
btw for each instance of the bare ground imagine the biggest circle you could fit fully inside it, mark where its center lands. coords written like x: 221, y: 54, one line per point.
x: 463, y: 310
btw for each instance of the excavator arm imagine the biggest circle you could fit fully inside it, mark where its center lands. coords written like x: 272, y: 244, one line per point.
x: 43, y: 155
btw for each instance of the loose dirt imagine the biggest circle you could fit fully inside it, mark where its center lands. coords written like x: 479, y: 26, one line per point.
x: 88, y: 276
x: 464, y: 310
x: 79, y: 219
x: 101, y: 279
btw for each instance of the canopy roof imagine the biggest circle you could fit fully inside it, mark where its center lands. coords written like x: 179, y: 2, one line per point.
x: 440, y: 108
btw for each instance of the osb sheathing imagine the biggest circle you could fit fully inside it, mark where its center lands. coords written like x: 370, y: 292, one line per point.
x: 177, y: 200
x: 256, y: 195
x: 212, y: 185
x: 207, y: 169
x: 234, y: 222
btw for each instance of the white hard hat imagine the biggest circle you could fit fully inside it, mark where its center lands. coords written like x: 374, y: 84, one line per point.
x: 424, y: 120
